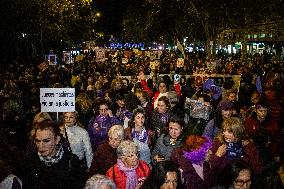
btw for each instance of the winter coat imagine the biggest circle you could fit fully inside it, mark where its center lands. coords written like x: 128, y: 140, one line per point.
x: 189, y: 176
x: 104, y: 158
x: 98, y: 128
x: 68, y: 173
x: 119, y: 177
x: 164, y: 147
x: 80, y: 144
x: 250, y: 155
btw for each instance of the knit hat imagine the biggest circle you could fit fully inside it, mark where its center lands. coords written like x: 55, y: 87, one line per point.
x: 225, y: 105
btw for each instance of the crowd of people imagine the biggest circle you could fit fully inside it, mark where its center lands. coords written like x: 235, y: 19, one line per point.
x: 150, y: 131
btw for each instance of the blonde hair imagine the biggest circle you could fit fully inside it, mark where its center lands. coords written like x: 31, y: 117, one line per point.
x: 38, y: 118
x: 116, y: 129
x: 97, y: 181
x: 234, y: 125
x: 41, y: 116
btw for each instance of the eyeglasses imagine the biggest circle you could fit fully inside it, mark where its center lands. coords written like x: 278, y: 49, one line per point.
x: 242, y: 182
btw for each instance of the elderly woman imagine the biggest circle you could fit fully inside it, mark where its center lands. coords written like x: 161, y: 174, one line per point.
x: 99, y: 182
x: 166, y: 143
x: 51, y: 166
x: 129, y: 172
x: 77, y: 137
x: 105, y: 155
x: 232, y: 144
x: 141, y: 135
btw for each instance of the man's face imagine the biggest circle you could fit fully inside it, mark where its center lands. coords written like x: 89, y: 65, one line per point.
x: 46, y: 142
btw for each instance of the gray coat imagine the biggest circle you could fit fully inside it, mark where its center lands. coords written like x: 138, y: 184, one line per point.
x: 164, y: 148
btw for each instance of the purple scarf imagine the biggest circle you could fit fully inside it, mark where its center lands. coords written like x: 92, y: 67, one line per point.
x: 164, y: 117
x: 131, y: 181
x: 141, y: 136
x: 198, y: 156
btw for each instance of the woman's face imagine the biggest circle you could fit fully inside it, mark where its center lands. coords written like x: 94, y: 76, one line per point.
x: 175, y: 130
x: 103, y: 110
x: 226, y: 113
x: 261, y: 113
x: 46, y: 142
x: 114, y: 140
x: 171, y: 181
x: 162, y: 88
x: 243, y: 181
x: 70, y: 119
x: 229, y: 136
x: 254, y: 98
x: 130, y: 160
x: 162, y: 107
x: 140, y: 97
x: 139, y: 120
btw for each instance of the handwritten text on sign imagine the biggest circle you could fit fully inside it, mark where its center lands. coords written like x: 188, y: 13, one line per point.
x: 57, y: 99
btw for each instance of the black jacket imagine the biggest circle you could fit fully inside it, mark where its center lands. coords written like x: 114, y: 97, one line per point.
x: 67, y: 173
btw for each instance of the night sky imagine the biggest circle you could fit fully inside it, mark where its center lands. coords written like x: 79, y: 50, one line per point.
x: 111, y: 15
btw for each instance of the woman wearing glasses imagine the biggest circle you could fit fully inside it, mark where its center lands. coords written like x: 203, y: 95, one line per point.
x: 237, y: 175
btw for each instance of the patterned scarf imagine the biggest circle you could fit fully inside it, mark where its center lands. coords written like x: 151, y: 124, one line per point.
x: 164, y: 117
x: 132, y: 180
x: 141, y: 136
x: 234, y: 150
x: 48, y: 161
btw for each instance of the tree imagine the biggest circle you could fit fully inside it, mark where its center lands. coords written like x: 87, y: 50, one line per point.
x: 42, y: 25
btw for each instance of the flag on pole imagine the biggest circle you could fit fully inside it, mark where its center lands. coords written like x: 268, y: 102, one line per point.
x: 180, y: 49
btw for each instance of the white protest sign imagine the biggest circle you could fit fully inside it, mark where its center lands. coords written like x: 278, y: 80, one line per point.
x: 57, y: 99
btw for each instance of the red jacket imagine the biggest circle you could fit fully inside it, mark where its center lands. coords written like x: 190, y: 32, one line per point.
x: 119, y: 177
x: 252, y: 125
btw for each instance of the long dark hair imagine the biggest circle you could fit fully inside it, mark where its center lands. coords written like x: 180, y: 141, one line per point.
x: 159, y: 174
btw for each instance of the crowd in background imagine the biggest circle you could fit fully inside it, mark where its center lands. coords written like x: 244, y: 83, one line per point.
x: 180, y: 132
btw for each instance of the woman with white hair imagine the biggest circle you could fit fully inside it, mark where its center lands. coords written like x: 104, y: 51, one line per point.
x: 105, y: 155
x: 129, y: 172
x: 99, y: 182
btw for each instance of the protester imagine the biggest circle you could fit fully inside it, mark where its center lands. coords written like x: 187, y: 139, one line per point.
x: 105, y: 156
x: 166, y: 143
x: 77, y: 138
x: 192, y: 160
x: 52, y: 166
x: 143, y: 137
x: 129, y: 172
x: 164, y: 176
x: 99, y: 182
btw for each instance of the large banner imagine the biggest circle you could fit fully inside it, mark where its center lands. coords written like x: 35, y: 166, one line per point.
x: 57, y: 99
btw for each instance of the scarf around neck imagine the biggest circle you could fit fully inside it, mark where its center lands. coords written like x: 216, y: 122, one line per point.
x: 48, y: 161
x: 132, y: 180
x: 141, y: 136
